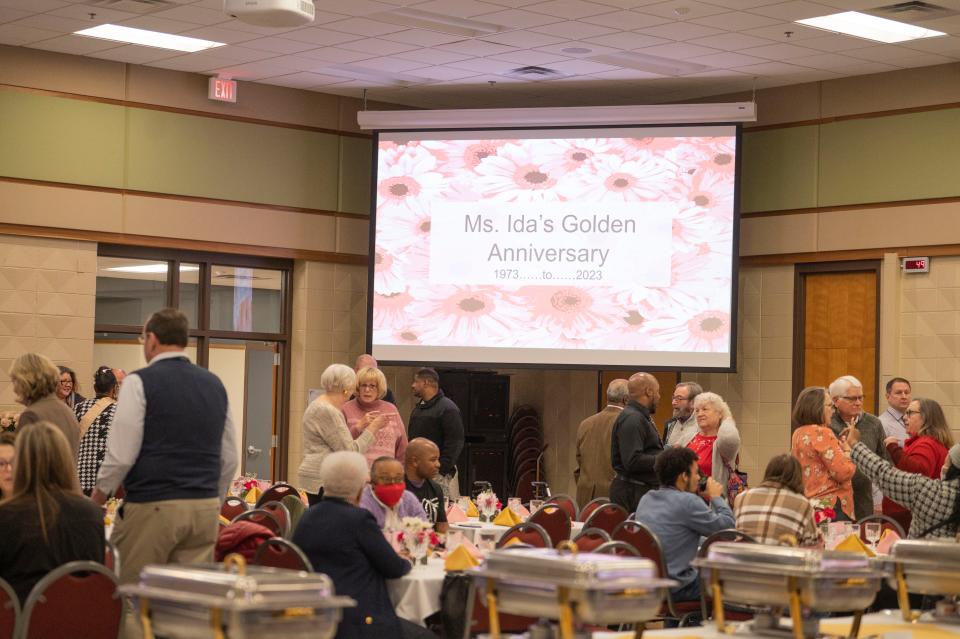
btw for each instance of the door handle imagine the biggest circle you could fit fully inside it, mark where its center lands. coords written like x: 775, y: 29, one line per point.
x: 252, y: 451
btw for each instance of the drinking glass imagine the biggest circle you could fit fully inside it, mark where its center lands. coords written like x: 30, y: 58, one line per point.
x: 873, y: 531
x: 488, y: 540
x: 854, y: 529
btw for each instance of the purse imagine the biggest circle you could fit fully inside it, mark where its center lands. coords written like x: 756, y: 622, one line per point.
x: 737, y: 482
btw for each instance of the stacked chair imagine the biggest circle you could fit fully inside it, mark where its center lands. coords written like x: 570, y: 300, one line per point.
x: 526, y: 450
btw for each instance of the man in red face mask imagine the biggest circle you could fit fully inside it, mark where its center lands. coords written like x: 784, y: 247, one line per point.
x: 387, y: 497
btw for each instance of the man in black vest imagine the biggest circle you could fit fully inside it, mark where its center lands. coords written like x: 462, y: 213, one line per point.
x: 174, y: 448
x: 437, y: 418
x: 636, y: 443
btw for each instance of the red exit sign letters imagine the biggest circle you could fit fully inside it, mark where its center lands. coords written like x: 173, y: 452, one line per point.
x: 222, y: 90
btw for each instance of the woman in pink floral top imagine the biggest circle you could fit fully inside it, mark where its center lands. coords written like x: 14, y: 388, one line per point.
x: 391, y: 440
x: 827, y: 470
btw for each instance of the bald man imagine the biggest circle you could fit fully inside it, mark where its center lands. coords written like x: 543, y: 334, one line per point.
x: 366, y: 360
x: 422, y: 464
x: 594, y: 471
x: 635, y: 443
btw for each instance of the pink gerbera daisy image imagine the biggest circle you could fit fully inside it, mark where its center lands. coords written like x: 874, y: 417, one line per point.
x: 412, y: 176
x: 566, y: 155
x: 517, y: 174
x: 468, y: 315
x: 388, y: 276
x: 611, y: 178
x: 568, y: 311
x: 454, y: 156
x: 389, y: 310
x: 703, y: 327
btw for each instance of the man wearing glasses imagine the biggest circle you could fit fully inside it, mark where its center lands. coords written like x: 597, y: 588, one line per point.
x: 847, y: 394
x: 683, y: 419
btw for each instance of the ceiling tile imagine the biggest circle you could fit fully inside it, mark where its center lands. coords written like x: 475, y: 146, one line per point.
x: 571, y: 30
x: 153, y: 23
x: 235, y: 53
x: 303, y: 80
x: 743, y: 5
x: 736, y: 21
x: 778, y: 32
x: 252, y: 70
x: 319, y: 36
x: 364, y: 27
x: 864, y: 68
x: 924, y: 60
x: 593, y: 49
x: 190, y: 63
x: 523, y: 39
x: 856, y: 5
x: 12, y: 33
x: 278, y: 45
x: 334, y: 55
x: 484, y: 65
x: 581, y: 67
x: 377, y: 46
x: 795, y: 10
x: 356, y: 7
x: 771, y: 68
x: 195, y: 15
x: 456, y: 8
x: 730, y: 41
x: 569, y: 9
x: 679, y: 50
x: 681, y: 10
x: 9, y: 15
x: 77, y: 45
x: 728, y: 60
x: 517, y: 18
x: 513, y: 3
x: 445, y: 74
x: 626, y: 20
x: 832, y: 43
x: 930, y: 45
x: 54, y: 23
x: 779, y: 51
x: 102, y: 15
x: 433, y: 56
x: 220, y: 35
x: 133, y: 54
x: 300, y: 63
x: 680, y: 31
x: 34, y: 6
x: 422, y: 37
x: 628, y: 41
x: 529, y: 58
x: 625, y: 74
x: 475, y: 47
x: 827, y: 61
x: 392, y: 64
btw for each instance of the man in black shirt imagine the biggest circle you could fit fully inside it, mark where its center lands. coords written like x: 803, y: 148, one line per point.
x: 422, y: 463
x: 437, y: 418
x: 635, y: 443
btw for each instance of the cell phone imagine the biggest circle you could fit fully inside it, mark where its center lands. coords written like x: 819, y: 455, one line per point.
x: 702, y: 484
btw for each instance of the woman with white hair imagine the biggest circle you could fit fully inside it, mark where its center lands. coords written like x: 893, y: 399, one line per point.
x: 344, y: 542
x: 35, y: 381
x: 716, y: 440
x: 325, y: 431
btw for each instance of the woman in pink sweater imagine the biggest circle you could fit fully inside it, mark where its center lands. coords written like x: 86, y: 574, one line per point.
x: 391, y: 440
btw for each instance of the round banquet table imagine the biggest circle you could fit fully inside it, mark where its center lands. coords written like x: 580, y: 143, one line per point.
x: 416, y: 595
x: 472, y: 528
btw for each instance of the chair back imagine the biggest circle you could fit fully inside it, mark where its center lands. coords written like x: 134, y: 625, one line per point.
x: 264, y: 518
x: 527, y: 533
x: 9, y: 611
x: 590, y: 539
x: 232, y: 507
x: 730, y: 534
x: 644, y: 541
x: 591, y: 506
x: 281, y: 553
x: 523, y: 488
x: 886, y: 523
x: 279, y: 511
x: 524, y: 433
x: 276, y: 492
x: 568, y: 503
x: 555, y: 521
x: 111, y: 558
x: 606, y: 517
x: 620, y: 548
x: 77, y: 600
x: 528, y: 443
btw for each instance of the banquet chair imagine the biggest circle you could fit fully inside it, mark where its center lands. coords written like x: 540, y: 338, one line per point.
x: 529, y: 464
x: 732, y: 613
x: 279, y: 511
x: 591, y: 506
x: 233, y: 506
x: 522, y: 421
x: 555, y: 521
x: 523, y: 486
x: 111, y: 558
x: 528, y: 533
x: 9, y: 611
x: 590, y: 539
x: 278, y: 552
x: 528, y: 443
x: 568, y: 503
x: 621, y: 548
x: 606, y: 517
x: 275, y: 493
x: 886, y: 522
x: 78, y: 600
x: 524, y: 433
x: 262, y: 517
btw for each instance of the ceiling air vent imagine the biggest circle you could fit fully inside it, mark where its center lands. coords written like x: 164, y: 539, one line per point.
x: 913, y: 11
x: 534, y: 73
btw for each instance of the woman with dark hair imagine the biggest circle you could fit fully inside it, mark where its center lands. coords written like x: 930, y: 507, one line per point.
x: 7, y: 451
x: 776, y: 510
x: 924, y: 452
x: 827, y: 470
x: 96, y: 417
x: 68, y: 390
x: 46, y: 522
x: 935, y: 503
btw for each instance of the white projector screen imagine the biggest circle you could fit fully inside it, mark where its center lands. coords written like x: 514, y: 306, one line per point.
x: 583, y: 247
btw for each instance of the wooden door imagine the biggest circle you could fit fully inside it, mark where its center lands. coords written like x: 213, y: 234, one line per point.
x: 668, y: 380
x: 840, y: 327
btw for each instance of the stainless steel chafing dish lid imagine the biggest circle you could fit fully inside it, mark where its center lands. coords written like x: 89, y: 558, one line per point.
x: 784, y: 560
x: 945, y: 554
x: 582, y: 570
x: 261, y: 588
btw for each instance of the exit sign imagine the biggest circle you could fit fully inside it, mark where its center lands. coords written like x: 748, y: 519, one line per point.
x: 222, y: 90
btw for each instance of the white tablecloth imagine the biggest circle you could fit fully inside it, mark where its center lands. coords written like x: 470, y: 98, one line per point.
x: 472, y: 528
x: 416, y: 596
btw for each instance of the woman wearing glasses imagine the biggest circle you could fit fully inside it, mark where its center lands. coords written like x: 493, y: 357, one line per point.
x: 928, y: 442
x: 68, y: 391
x: 6, y: 464
x: 391, y: 440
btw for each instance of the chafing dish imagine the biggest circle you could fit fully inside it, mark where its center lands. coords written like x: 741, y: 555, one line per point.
x: 926, y: 568
x: 571, y: 587
x: 236, y: 601
x: 776, y: 577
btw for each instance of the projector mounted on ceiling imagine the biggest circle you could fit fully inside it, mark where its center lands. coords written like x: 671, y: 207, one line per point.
x: 271, y: 13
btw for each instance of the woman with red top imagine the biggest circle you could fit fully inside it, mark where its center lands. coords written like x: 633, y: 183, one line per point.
x: 923, y: 452
x: 717, y: 440
x: 827, y: 470
x: 391, y: 440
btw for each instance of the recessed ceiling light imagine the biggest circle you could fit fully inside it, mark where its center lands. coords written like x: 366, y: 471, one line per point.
x: 146, y: 38
x: 150, y: 268
x: 577, y: 50
x: 868, y: 27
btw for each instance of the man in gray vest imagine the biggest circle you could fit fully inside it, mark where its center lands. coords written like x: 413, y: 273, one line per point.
x: 173, y: 447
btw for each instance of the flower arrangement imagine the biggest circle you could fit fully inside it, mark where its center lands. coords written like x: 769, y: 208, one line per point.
x: 488, y: 505
x: 8, y: 421
x: 823, y: 511
x: 417, y: 537
x: 247, y: 486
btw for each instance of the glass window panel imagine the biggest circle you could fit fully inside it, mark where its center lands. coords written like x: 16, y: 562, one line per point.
x: 190, y: 291
x: 128, y: 290
x: 245, y: 299
x: 124, y: 351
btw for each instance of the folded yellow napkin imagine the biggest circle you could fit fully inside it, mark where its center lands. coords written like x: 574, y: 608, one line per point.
x: 459, y: 559
x: 252, y: 496
x: 472, y: 510
x: 507, y: 518
x: 512, y: 542
x: 224, y: 520
x: 853, y: 543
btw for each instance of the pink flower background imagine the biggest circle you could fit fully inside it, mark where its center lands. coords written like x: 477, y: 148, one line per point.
x: 693, y: 314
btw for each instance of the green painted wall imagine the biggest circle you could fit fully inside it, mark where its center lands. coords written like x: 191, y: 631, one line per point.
x: 80, y: 142
x: 779, y: 169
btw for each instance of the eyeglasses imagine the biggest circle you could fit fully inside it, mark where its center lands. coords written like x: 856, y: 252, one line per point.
x: 4, y: 464
x: 855, y: 398
x: 911, y: 412
x: 66, y: 382
x: 678, y: 398
x: 367, y: 386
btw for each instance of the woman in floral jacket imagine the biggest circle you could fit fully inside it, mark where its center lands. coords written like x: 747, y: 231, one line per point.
x: 827, y: 469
